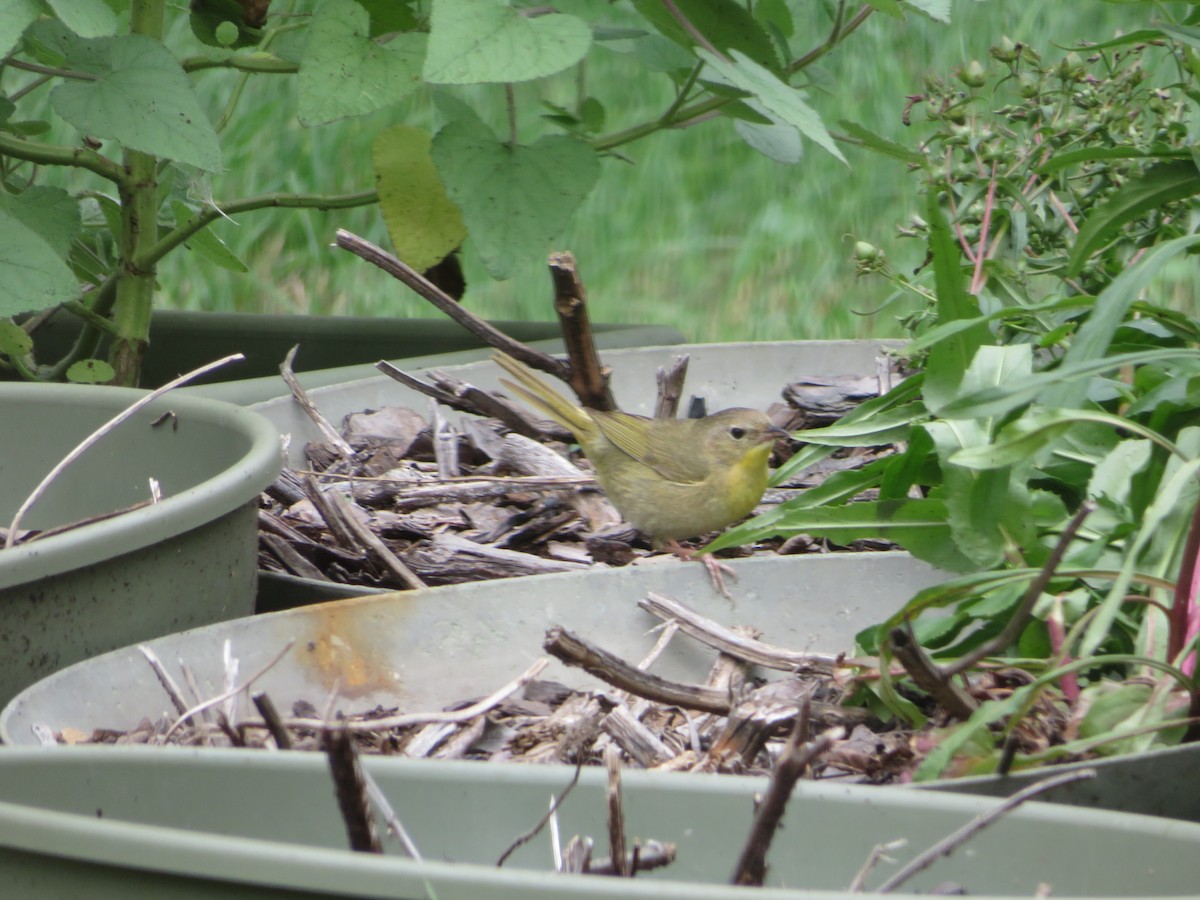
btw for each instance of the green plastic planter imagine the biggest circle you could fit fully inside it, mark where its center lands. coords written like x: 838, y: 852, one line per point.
x: 333, y: 349
x: 732, y: 374
x: 102, y: 823
x: 188, y: 560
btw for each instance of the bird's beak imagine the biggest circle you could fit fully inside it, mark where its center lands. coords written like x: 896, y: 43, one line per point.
x: 775, y: 433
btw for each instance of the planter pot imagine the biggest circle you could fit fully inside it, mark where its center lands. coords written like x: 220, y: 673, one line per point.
x: 141, y: 822
x: 333, y: 349
x: 734, y: 374
x: 425, y: 649
x: 188, y: 560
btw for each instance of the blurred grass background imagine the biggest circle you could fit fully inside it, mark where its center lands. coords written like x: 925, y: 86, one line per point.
x: 691, y: 228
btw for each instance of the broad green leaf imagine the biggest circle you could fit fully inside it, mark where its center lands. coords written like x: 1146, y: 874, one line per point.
x: 776, y: 140
x: 15, y: 17
x: 32, y: 276
x: 49, y: 211
x: 935, y: 9
x: 345, y: 73
x: 1108, y: 705
x: 485, y: 42
x: 87, y: 18
x: 1154, y: 188
x: 781, y: 100
x: 14, y: 340
x: 775, y: 14
x: 514, y: 199
x: 205, y: 244
x: 949, y: 358
x: 90, y: 371
x: 872, y: 141
x: 889, y: 7
x: 141, y: 98
x: 423, y: 223
x: 725, y: 23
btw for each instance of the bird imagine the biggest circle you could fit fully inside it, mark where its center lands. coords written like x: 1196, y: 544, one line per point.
x: 669, y: 478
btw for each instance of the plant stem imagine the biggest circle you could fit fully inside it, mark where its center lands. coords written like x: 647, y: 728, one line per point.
x: 54, y: 155
x: 139, y: 231
x: 255, y: 64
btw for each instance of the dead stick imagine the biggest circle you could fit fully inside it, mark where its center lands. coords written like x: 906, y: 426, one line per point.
x: 752, y: 864
x: 925, y: 673
x: 310, y: 409
x: 616, y: 813
x: 647, y: 856
x: 670, y: 388
x: 351, y: 792
x: 421, y: 285
x: 164, y: 678
x: 536, y: 829
x: 952, y: 842
x: 270, y: 715
x: 575, y: 651
x: 587, y: 375
x: 374, y: 544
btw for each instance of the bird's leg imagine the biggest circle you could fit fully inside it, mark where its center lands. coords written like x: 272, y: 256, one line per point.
x: 717, y: 570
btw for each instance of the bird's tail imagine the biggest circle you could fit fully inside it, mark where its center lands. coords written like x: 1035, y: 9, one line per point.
x: 544, y: 398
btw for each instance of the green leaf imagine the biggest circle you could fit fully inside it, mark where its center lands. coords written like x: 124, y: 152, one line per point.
x: 345, y: 73
x: 49, y: 211
x: 725, y: 23
x: 1154, y: 188
x: 90, y: 371
x: 1112, y: 306
x: 486, y: 42
x: 938, y: 10
x: 998, y: 401
x: 15, y: 17
x: 141, y: 98
x: 1060, y: 161
x: 205, y: 244
x: 775, y: 140
x: 514, y: 199
x: 779, y: 99
x: 1112, y: 477
x: 888, y: 7
x: 423, y: 223
x: 873, y: 431
x: 872, y: 141
x: 32, y: 276
x: 1109, y: 705
x: 949, y: 359
x: 87, y: 18
x: 14, y: 340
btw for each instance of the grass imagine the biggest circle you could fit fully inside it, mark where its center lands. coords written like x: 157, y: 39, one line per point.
x: 691, y: 229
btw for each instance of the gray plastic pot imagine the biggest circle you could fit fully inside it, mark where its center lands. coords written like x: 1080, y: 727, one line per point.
x: 734, y: 374
x: 422, y: 650
x: 188, y: 560
x: 99, y: 822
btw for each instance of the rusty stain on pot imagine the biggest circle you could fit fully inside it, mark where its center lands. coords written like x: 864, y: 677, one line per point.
x: 348, y: 650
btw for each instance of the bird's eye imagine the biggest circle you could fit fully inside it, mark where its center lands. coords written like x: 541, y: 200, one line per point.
x: 737, y: 433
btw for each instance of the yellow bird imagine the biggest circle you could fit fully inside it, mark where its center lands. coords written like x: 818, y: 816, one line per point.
x: 671, y: 478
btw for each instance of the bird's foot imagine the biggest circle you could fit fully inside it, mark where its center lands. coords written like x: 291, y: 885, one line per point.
x: 717, y: 570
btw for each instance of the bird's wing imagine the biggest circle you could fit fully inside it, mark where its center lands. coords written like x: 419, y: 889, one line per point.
x: 665, y: 447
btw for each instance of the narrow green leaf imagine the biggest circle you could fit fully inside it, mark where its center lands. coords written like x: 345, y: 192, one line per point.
x: 781, y: 100
x: 514, y: 200
x: 1060, y: 161
x: 345, y: 73
x: 205, y: 244
x: 423, y: 222
x: 487, y: 42
x: 1157, y: 186
x: 32, y: 275
x: 873, y: 431
x: 141, y: 98
x: 872, y: 141
x: 949, y: 359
